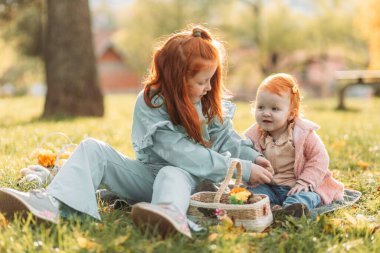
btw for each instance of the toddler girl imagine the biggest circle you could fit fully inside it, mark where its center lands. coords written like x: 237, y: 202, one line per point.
x: 301, y: 179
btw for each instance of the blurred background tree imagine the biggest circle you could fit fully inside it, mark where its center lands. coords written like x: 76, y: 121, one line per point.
x: 145, y: 21
x: 262, y: 37
x: 310, y: 39
x: 21, y: 43
x: 368, y: 23
x: 71, y: 77
x: 67, y: 53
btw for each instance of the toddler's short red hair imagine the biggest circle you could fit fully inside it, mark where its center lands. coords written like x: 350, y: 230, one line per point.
x: 280, y: 84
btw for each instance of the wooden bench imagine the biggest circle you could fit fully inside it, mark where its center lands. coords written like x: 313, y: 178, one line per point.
x: 347, y: 78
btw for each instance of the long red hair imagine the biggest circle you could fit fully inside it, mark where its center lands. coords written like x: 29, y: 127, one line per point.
x: 280, y: 84
x: 180, y: 57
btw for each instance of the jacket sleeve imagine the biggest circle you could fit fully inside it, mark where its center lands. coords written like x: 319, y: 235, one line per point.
x: 154, y: 133
x: 316, y: 160
x: 225, y: 139
x: 177, y: 149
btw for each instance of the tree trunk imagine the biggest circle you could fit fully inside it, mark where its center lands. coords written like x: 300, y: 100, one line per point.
x: 72, y: 83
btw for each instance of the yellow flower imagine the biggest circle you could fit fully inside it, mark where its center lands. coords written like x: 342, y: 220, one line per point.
x: 240, y: 194
x: 243, y: 196
x: 47, y: 157
x: 239, y: 189
x: 44, y: 157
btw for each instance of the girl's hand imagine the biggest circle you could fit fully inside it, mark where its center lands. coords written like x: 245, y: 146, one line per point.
x: 259, y: 175
x: 297, y: 189
x: 263, y: 162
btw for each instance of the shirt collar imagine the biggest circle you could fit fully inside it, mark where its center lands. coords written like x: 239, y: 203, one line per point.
x: 285, y: 137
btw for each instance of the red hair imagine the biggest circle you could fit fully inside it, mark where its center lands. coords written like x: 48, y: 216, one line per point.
x: 180, y: 57
x: 280, y: 84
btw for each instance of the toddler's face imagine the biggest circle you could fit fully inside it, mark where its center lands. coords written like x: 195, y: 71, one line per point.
x: 272, y: 112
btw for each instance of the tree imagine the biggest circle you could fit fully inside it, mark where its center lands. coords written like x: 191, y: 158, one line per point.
x: 73, y: 88
x: 146, y: 20
x: 22, y: 23
x: 21, y: 43
x: 368, y: 21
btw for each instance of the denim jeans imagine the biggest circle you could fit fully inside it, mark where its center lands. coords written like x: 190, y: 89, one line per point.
x: 277, y: 196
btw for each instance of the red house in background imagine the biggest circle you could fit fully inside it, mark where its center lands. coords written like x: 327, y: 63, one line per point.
x: 114, y: 75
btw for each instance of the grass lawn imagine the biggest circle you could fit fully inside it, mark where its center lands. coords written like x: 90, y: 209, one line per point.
x: 352, y: 139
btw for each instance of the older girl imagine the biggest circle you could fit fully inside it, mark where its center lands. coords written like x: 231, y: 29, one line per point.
x: 182, y: 134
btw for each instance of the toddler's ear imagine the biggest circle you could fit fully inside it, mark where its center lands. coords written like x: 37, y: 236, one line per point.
x: 291, y: 116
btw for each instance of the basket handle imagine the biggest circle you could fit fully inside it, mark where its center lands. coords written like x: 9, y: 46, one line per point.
x: 55, y: 169
x: 234, y: 164
x: 52, y: 134
x: 69, y: 144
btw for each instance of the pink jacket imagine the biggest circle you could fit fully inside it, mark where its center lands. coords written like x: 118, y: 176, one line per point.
x: 311, y: 159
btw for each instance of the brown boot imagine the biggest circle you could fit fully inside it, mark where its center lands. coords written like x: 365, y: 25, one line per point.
x: 165, y: 218
x: 296, y: 210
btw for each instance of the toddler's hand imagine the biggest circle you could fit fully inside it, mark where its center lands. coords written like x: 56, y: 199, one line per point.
x: 297, y: 189
x: 263, y: 162
x: 259, y: 175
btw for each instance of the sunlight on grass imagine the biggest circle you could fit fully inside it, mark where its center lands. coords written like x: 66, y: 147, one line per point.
x: 352, y: 139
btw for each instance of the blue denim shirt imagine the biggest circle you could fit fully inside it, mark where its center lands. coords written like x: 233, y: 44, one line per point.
x: 157, y: 142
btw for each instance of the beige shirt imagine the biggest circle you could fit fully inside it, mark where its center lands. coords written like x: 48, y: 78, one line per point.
x: 281, y: 154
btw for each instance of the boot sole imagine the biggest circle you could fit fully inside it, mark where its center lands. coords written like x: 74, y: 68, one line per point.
x: 154, y: 221
x: 12, y: 204
x: 296, y: 210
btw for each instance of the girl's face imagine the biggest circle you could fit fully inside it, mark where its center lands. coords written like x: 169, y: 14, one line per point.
x: 199, y: 84
x: 272, y: 112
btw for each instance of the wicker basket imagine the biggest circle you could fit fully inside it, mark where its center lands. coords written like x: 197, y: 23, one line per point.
x: 65, y: 145
x: 43, y: 172
x: 256, y: 216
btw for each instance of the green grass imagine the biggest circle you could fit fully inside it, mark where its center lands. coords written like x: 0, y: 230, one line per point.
x: 352, y: 139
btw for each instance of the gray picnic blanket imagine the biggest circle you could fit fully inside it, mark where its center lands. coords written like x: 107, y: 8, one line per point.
x: 349, y: 198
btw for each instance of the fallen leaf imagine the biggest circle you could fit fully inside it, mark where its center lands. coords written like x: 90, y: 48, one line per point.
x: 336, y: 222
x: 362, y: 164
x: 230, y: 236
x: 238, y: 230
x: 227, y: 222
x: 99, y: 226
x: 85, y: 243
x: 119, y: 240
x: 351, y: 219
x: 338, y: 144
x: 284, y: 236
x: 375, y: 228
x: 107, y: 209
x: 352, y: 244
x: 328, y: 228
x: 257, y: 235
x: 212, y: 237
x: 3, y: 221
